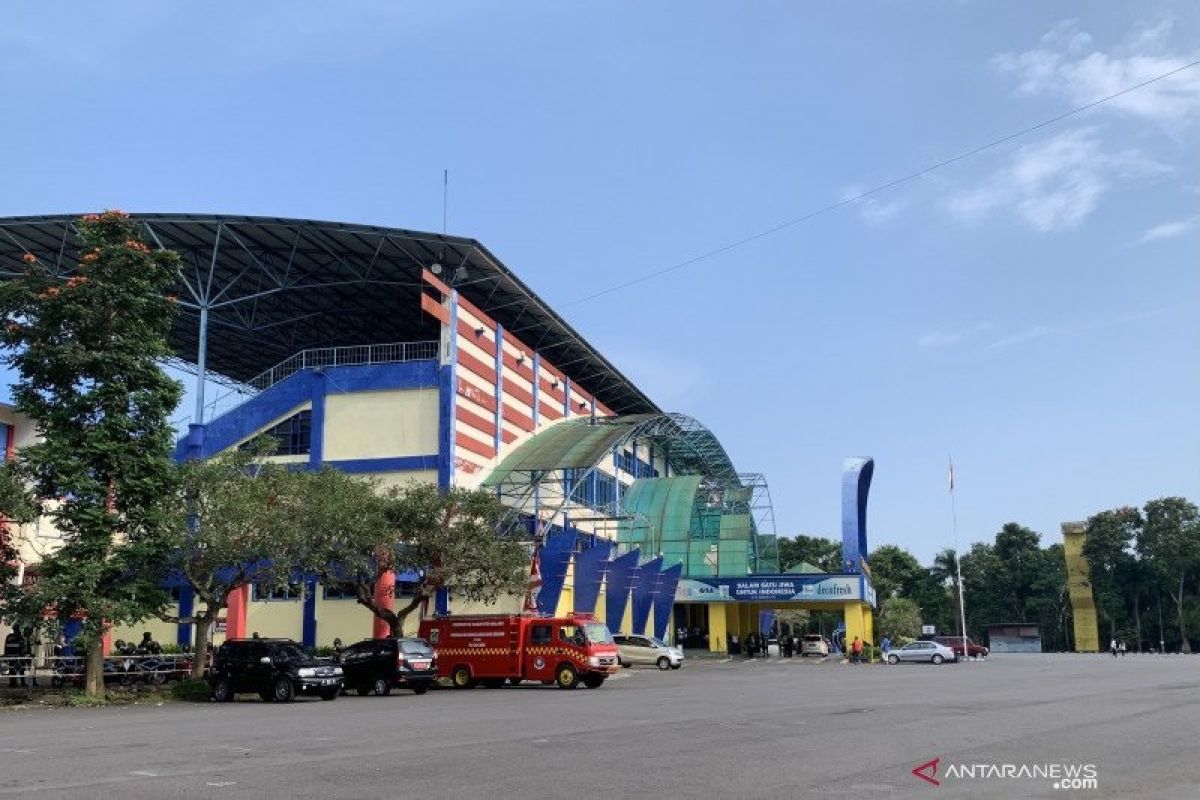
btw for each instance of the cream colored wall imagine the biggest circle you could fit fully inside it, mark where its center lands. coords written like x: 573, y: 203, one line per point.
x: 275, y: 618
x: 381, y: 424
x: 506, y: 604
x: 341, y: 619
x: 163, y: 632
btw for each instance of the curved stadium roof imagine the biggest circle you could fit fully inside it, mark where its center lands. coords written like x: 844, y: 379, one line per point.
x: 275, y: 286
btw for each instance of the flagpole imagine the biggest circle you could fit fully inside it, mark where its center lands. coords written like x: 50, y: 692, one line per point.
x: 962, y: 612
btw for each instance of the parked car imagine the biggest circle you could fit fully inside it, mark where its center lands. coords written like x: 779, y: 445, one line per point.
x: 932, y: 652
x: 955, y: 643
x: 647, y: 650
x: 380, y: 665
x: 275, y: 669
x: 814, y: 644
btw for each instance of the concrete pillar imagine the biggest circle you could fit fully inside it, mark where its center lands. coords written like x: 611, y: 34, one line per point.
x: 717, y: 628
x: 235, y: 614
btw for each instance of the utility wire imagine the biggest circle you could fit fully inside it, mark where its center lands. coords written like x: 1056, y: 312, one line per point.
x: 869, y: 192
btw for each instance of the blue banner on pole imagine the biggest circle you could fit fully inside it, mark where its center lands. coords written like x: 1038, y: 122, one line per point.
x: 622, y: 571
x: 643, y: 593
x: 590, y: 566
x: 664, y: 599
x: 553, y: 562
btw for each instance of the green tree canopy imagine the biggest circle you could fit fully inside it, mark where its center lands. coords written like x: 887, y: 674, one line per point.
x: 87, y: 351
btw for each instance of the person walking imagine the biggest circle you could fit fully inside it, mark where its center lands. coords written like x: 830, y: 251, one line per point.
x: 1121, y: 648
x: 14, y: 658
x: 885, y: 647
x: 1112, y: 648
x: 856, y: 648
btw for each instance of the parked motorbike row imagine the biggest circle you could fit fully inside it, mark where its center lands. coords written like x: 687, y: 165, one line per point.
x: 124, y: 669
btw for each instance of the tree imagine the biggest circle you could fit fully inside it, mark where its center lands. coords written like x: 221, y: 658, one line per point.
x: 1108, y: 546
x: 1019, y: 554
x: 1170, y: 541
x: 451, y: 538
x: 945, y: 569
x: 900, y: 617
x: 239, y: 520
x: 824, y: 554
x: 895, y: 572
x: 87, y: 352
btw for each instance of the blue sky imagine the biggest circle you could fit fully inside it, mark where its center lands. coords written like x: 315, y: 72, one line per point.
x: 1031, y: 310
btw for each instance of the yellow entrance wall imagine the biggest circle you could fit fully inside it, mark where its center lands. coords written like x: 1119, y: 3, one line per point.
x: 163, y: 632
x: 275, y: 618
x: 859, y: 622
x: 386, y: 424
x: 718, y: 626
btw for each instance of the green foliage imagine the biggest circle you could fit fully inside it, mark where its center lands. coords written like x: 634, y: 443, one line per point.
x: 899, y: 617
x: 825, y: 554
x: 87, y: 351
x: 1170, y: 542
x: 191, y: 690
x: 449, y: 537
x: 895, y: 572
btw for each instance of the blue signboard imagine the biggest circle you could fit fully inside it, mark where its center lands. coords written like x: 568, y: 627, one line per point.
x: 767, y: 588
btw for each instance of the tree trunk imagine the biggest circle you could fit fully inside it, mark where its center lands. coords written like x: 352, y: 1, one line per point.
x: 200, y: 645
x: 94, y: 680
x: 1137, y: 621
x: 1185, y: 646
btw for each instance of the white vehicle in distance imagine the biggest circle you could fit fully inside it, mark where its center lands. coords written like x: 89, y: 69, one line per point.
x: 647, y: 650
x: 929, y: 652
x: 814, y: 644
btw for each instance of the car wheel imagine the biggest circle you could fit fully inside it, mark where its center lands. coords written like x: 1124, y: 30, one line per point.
x: 382, y: 687
x: 222, y: 691
x: 283, y: 691
x: 330, y: 694
x: 593, y: 680
x: 461, y: 678
x: 566, y: 677
x: 420, y: 688
x: 893, y: 659
x: 937, y: 658
x: 663, y: 663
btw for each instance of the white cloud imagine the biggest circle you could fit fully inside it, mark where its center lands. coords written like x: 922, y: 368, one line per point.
x: 1169, y: 230
x: 937, y: 339
x: 1056, y: 183
x: 1027, y: 335
x: 873, y: 211
x: 1066, y: 64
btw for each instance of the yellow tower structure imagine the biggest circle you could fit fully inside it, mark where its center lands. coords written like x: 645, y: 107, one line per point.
x: 1079, y: 584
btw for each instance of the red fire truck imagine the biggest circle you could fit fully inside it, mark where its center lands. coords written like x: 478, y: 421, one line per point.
x: 489, y: 649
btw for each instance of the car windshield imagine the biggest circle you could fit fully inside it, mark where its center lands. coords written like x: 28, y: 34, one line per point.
x: 415, y: 648
x: 658, y: 642
x: 291, y: 652
x: 597, y: 633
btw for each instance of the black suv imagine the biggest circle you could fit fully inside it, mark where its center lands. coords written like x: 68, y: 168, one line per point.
x: 276, y: 669
x: 380, y: 664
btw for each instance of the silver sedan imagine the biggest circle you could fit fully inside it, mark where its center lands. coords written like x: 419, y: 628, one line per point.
x: 928, y: 652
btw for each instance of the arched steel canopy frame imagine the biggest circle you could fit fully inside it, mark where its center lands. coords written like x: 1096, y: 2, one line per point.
x: 255, y: 290
x: 541, y: 476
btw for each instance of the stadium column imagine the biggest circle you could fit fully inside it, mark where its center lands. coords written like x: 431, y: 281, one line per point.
x: 856, y: 622
x: 447, y: 387
x: 235, y: 612
x: 717, y: 628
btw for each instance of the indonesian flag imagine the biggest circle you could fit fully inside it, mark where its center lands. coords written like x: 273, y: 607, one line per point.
x: 535, y: 582
x: 952, y: 476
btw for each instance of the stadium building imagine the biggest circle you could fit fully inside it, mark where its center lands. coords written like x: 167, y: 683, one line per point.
x: 412, y: 356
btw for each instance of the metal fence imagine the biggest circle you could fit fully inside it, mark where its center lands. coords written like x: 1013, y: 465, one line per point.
x: 354, y: 355
x: 55, y: 671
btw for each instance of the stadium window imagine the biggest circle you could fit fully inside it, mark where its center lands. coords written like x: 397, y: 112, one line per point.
x: 339, y: 591
x: 291, y: 591
x: 293, y: 435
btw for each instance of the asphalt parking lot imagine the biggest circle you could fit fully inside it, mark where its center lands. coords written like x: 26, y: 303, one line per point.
x: 759, y: 729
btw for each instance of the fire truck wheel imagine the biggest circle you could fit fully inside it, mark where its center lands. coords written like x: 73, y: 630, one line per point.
x: 461, y: 678
x: 566, y: 677
x: 383, y: 687
x: 593, y: 681
x: 663, y: 662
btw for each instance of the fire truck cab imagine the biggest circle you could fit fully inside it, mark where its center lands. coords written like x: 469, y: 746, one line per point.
x: 490, y: 649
